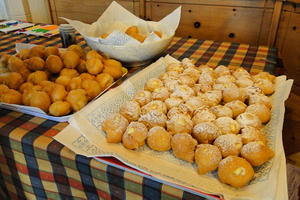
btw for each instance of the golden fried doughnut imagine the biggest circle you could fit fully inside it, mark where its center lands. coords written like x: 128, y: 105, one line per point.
x: 142, y: 97
x: 260, y: 98
x: 152, y: 84
x: 131, y: 110
x: 235, y: 171
x: 261, y: 111
x: 207, y: 157
x: 205, y: 132
x: 54, y: 64
x: 82, y: 66
x: 161, y: 94
x: 25, y: 86
x: 87, y: 76
x: 75, y: 83
x: 154, y: 105
x: 177, y: 67
x: 203, y: 115
x: 47, y: 86
x: 37, y: 51
x: 37, y: 76
x: 93, y: 54
x: 77, y: 49
x: 105, y: 80
x: 227, y: 125
x: 77, y: 98
x: 51, y: 51
x: 35, y: 63
x: 63, y: 80
x: 179, y: 124
x: 60, y: 108
x: 11, y: 96
x: 14, y: 64
x: 94, y: 66
x: 58, y: 93
x: 159, y: 139
x: 257, y: 153
x: 237, y: 107
x: 153, y: 118
x: 3, y: 89
x: 41, y: 100
x: 115, y: 127
x: 91, y: 87
x: 23, y: 54
x: 221, y: 70
x: 135, y: 135
x: 27, y: 94
x: 229, y: 144
x: 113, y: 67
x: 248, y: 119
x: 183, y: 146
x: 69, y: 72
x: 14, y: 80
x: 251, y: 134
x: 221, y: 111
x: 71, y: 59
x: 4, y: 59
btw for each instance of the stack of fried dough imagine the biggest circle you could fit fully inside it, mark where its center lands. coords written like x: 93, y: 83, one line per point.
x: 56, y: 81
x: 211, y: 116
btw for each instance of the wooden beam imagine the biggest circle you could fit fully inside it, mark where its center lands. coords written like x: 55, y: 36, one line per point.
x: 143, y: 9
x: 27, y: 10
x: 275, y: 22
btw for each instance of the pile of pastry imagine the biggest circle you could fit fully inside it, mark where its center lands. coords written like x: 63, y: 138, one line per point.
x: 133, y: 32
x: 209, y: 116
x: 57, y: 82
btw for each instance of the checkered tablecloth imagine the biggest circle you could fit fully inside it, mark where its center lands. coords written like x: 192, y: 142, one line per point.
x: 35, y: 166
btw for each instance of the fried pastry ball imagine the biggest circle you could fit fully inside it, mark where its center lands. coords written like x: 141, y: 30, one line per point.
x: 265, y: 85
x: 153, y: 118
x: 261, y: 111
x: 93, y: 54
x: 4, y: 59
x: 237, y: 107
x: 69, y: 72
x: 173, y: 102
x: 225, y: 79
x: 92, y: 88
x: 135, y: 135
x: 212, y: 98
x: 131, y: 110
x: 229, y: 144
x: 161, y: 93
x: 11, y: 96
x: 260, y: 98
x: 203, y: 115
x: 35, y: 63
x: 37, y: 51
x: 179, y: 124
x: 206, y: 132
x: 241, y: 72
x: 253, y: 90
x: 25, y: 86
x: 115, y: 127
x: 75, y: 83
x: 47, y: 86
x: 41, y: 100
x: 159, y: 139
x: 154, y: 105
x: 257, y: 153
x: 142, y: 97
x: 175, y: 67
x: 3, y: 89
x: 227, y: 125
x: 251, y: 134
x: 37, y: 76
x: 248, y: 119
x: 14, y: 80
x: 27, y: 94
x: 77, y: 49
x: 152, y: 84
x: 176, y: 111
x: 265, y: 75
x: 105, y: 80
x: 14, y: 64
x: 235, y: 171
x: 113, y: 67
x: 82, y: 66
x: 222, y: 111
x: 186, y: 80
x: 94, y: 66
x: 244, y: 82
x: 23, y: 54
x: 51, y: 51
x: 231, y: 94
x: 221, y: 70
x: 71, y: 59
x: 192, y: 72
x: 183, y: 146
x: 54, y: 64
x: 77, y: 98
x: 207, y: 157
x: 58, y: 93
x: 63, y: 80
x: 60, y: 108
x: 183, y: 91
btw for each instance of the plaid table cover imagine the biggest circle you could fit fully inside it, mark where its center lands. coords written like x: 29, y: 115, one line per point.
x: 35, y: 166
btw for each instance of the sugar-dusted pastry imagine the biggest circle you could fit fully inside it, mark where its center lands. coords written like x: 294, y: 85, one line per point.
x: 41, y: 100
x: 94, y: 66
x: 235, y: 171
x: 231, y: 94
x: 227, y: 125
x: 179, y: 124
x: 161, y: 93
x: 178, y: 110
x: 222, y: 111
x: 171, y: 84
x: 37, y: 76
x: 171, y: 75
x: 205, y: 132
x: 63, y: 80
x: 71, y: 59
x: 115, y: 127
x: 183, y: 146
x: 130, y: 110
x: 113, y: 67
x: 194, y: 103
x: 260, y: 98
x: 54, y: 64
x: 229, y: 144
x: 142, y: 97
x: 135, y: 135
x: 261, y: 111
x: 266, y: 85
x: 202, y: 87
x: 251, y: 134
x: 253, y: 90
x: 244, y: 82
x: 219, y: 86
x: 241, y: 72
x: 203, y: 115
x: 77, y: 98
x: 173, y: 102
x: 105, y: 80
x: 186, y: 63
x: 69, y: 72
x: 212, y: 98
x: 265, y: 75
x: 58, y: 93
x: 159, y: 139
x: 192, y: 72
x: 154, y: 105
x: 175, y: 67
x: 207, y: 158
x: 248, y: 119
x: 221, y: 70
x: 207, y: 78
x: 237, y: 107
x: 51, y: 51
x: 11, y: 96
x: 153, y: 118
x: 225, y: 79
x: 256, y: 153
x: 35, y: 63
x: 152, y: 84
x: 92, y: 88
x: 185, y: 79
x: 60, y: 108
